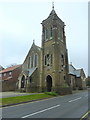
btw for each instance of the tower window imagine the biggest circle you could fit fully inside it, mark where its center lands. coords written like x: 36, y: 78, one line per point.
x: 62, y: 59
x: 64, y: 77
x: 60, y: 34
x: 48, y: 59
x: 51, y: 32
x: 45, y: 60
x: 46, y: 34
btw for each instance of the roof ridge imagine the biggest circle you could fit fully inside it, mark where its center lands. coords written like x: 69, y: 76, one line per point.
x: 10, y: 68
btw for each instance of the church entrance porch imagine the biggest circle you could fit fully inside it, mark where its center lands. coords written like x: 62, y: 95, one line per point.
x: 49, y: 83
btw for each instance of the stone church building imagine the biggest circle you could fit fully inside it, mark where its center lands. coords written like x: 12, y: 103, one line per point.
x: 46, y: 68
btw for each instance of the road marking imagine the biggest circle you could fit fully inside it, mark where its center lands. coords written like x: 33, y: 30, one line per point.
x: 85, y: 115
x: 40, y: 111
x: 75, y: 99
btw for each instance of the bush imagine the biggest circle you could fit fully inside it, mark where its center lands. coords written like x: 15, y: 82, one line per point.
x: 51, y: 93
x: 65, y: 85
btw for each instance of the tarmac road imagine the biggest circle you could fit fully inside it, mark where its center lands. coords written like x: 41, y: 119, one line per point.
x: 69, y: 106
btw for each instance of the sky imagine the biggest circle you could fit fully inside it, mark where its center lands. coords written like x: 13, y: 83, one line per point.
x: 20, y: 24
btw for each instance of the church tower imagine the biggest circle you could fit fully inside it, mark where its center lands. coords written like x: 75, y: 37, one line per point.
x: 54, y: 58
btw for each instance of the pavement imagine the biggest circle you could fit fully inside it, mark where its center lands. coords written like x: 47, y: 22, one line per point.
x: 69, y: 106
x: 13, y: 94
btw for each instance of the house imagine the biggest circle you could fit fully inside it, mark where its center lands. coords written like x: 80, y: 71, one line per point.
x: 88, y: 81
x: 9, y: 77
x: 77, y: 78
x: 46, y: 68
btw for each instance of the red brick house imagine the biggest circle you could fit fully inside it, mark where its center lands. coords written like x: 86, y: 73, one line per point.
x: 9, y: 78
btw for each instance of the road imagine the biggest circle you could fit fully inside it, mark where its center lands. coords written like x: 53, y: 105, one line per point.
x: 69, y: 106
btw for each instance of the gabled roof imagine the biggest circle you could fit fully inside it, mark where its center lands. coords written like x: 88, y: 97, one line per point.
x: 37, y: 47
x: 10, y: 69
x: 77, y: 72
x: 74, y: 71
x: 33, y: 47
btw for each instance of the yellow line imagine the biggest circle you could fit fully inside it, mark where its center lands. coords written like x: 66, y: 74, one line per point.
x: 85, y: 115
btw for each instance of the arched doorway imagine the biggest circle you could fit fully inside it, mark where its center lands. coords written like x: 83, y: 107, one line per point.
x: 49, y: 83
x: 22, y: 81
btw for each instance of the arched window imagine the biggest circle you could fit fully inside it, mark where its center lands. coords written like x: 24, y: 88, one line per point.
x: 28, y: 62
x: 60, y: 34
x: 45, y: 59
x: 46, y: 33
x: 62, y: 59
x: 32, y: 60
x: 51, y: 58
x: 36, y: 60
x: 51, y: 32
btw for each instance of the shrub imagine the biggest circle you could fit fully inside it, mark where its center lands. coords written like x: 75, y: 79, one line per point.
x: 65, y: 85
x: 51, y: 93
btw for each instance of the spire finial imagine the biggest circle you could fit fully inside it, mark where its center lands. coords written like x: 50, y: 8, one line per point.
x: 33, y: 41
x: 53, y: 5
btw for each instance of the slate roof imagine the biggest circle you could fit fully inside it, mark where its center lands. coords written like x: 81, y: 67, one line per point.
x: 31, y: 71
x: 38, y: 48
x: 8, y: 78
x: 74, y: 71
x: 52, y: 15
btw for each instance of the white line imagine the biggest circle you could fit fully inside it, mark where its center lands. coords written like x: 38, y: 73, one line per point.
x: 75, y: 99
x: 40, y: 111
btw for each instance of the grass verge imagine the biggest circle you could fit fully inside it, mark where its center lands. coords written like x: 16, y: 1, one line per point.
x: 20, y: 99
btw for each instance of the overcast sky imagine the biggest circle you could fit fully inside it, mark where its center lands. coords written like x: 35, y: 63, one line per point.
x: 20, y: 23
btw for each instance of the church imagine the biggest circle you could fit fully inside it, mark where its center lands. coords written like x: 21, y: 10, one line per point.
x: 46, y: 68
